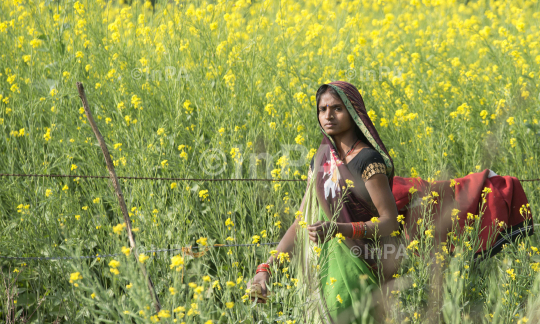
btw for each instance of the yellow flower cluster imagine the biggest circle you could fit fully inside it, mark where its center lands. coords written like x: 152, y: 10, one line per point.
x: 113, y: 264
x: 203, y: 195
x: 202, y: 241
x: 229, y: 223
x: 117, y: 229
x: 350, y: 183
x: 413, y: 245
x: 74, y: 277
x: 143, y: 257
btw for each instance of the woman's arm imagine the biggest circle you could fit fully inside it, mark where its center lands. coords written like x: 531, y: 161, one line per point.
x: 286, y: 245
x: 383, y: 199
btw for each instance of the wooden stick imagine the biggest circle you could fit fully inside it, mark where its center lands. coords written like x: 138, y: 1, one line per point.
x: 118, y: 190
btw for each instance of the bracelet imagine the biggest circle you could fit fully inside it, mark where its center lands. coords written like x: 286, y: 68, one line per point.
x: 263, y: 267
x: 357, y: 230
x: 261, y: 270
x: 365, y: 231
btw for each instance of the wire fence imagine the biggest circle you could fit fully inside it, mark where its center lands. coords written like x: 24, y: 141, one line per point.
x: 154, y: 178
x: 183, y: 249
x: 135, y: 178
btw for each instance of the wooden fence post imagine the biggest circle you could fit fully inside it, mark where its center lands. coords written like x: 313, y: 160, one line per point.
x: 118, y: 190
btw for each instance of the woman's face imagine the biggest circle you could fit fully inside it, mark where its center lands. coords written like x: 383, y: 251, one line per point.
x: 333, y: 115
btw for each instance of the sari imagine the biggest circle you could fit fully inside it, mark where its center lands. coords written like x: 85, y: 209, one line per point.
x: 338, y: 281
x: 336, y: 276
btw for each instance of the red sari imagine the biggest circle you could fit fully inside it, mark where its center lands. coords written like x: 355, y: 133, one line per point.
x: 507, y: 213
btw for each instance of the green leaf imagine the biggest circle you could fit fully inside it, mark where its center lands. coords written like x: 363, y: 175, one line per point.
x: 26, y: 299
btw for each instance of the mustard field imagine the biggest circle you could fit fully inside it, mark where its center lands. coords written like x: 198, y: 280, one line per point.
x: 226, y: 89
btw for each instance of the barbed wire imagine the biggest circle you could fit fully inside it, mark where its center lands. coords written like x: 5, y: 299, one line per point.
x: 135, y: 178
x: 154, y: 178
x: 188, y: 249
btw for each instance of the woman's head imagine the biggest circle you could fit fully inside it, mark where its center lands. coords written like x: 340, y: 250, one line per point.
x: 334, y: 118
x: 345, y: 95
x: 333, y: 115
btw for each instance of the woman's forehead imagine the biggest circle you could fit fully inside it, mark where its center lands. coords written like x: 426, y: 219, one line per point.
x: 329, y: 99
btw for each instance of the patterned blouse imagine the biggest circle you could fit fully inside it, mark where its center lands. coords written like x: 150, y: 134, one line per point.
x: 363, y: 165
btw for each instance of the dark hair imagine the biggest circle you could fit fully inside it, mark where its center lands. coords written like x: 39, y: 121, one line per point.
x: 327, y: 88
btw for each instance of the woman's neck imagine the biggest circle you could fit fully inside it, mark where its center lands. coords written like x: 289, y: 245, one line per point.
x: 345, y: 141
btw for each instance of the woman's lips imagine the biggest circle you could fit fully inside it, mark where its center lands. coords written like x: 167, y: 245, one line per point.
x: 329, y: 125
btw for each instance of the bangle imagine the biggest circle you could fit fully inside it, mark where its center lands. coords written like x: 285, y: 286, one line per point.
x: 263, y: 270
x: 357, y: 230
x: 263, y: 267
x: 365, y: 230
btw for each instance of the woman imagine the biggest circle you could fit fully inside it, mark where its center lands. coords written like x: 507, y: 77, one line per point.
x: 352, y: 163
x: 351, y: 152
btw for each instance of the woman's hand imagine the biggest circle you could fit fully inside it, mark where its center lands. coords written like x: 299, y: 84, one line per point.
x: 321, y: 232
x: 261, y: 279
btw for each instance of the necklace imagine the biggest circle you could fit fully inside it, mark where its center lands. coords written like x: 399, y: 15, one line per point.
x: 352, y: 148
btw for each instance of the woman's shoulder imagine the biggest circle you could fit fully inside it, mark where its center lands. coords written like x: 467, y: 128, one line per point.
x: 368, y: 154
x: 367, y: 163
